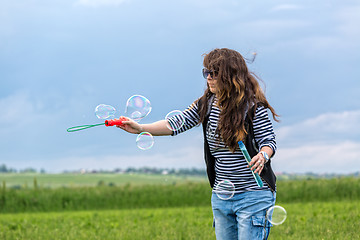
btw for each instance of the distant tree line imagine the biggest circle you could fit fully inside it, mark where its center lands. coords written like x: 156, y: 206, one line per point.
x: 149, y: 170
x: 173, y: 171
x: 311, y: 175
x: 5, y: 169
x: 130, y: 170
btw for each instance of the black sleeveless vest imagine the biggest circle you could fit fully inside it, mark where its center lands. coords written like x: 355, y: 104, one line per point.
x: 267, y: 173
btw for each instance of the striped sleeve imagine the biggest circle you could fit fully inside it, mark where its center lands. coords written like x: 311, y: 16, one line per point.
x: 263, y: 130
x: 189, y: 119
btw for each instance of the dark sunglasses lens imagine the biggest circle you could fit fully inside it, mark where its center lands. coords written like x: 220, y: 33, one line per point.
x: 206, y: 72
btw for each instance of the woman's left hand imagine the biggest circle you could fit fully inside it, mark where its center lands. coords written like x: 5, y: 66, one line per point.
x: 257, y: 163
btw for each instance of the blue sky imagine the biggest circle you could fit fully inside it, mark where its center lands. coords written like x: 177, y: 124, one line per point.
x: 60, y: 59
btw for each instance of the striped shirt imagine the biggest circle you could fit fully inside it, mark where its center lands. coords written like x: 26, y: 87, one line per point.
x: 228, y: 165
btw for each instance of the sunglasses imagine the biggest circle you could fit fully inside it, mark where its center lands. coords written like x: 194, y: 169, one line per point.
x: 206, y: 72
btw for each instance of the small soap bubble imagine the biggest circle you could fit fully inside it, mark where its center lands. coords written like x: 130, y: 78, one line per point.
x: 250, y: 56
x: 224, y: 189
x: 137, y: 107
x: 136, y: 115
x: 104, y: 111
x: 276, y: 215
x: 175, y: 120
x: 145, y: 141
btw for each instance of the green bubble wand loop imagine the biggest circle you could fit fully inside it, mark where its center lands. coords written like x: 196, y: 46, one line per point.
x: 248, y: 160
x: 107, y: 123
x: 82, y: 127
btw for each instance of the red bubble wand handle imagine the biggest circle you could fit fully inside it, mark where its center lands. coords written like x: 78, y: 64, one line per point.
x: 112, y: 122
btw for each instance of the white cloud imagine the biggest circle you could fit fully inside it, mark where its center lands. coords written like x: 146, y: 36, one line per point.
x: 286, y: 7
x: 313, y: 28
x: 328, y: 127
x: 99, y: 3
x: 341, y: 157
x: 329, y: 142
x: 11, y: 107
x: 21, y: 108
x: 14, y: 107
x: 349, y: 18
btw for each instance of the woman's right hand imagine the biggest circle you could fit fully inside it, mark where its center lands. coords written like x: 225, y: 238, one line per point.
x: 130, y: 126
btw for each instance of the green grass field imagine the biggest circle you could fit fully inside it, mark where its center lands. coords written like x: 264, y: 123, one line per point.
x: 82, y: 180
x: 331, y: 220
x: 317, y: 209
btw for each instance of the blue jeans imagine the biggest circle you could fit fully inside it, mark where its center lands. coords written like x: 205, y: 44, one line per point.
x: 243, y: 216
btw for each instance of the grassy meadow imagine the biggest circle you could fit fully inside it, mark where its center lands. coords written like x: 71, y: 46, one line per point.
x: 42, y: 206
x: 26, y: 180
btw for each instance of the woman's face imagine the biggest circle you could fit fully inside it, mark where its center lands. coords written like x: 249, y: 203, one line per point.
x: 211, y: 79
x: 212, y: 84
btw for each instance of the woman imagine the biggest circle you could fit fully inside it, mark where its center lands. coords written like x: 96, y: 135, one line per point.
x: 232, y: 95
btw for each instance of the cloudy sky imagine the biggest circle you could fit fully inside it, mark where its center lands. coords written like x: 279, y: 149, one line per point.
x: 60, y: 59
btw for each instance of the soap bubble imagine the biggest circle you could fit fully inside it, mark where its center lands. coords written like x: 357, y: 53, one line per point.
x: 136, y: 115
x: 250, y: 56
x: 104, y: 111
x: 224, y: 189
x: 145, y: 141
x: 175, y: 120
x: 137, y: 107
x: 276, y: 215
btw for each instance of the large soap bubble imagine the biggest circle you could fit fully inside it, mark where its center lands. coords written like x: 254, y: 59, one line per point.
x: 224, y: 189
x: 137, y: 107
x: 276, y: 215
x: 145, y: 141
x: 175, y: 120
x: 103, y: 111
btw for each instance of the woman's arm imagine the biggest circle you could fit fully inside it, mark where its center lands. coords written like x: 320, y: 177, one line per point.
x: 265, y: 137
x: 159, y: 128
x: 162, y: 127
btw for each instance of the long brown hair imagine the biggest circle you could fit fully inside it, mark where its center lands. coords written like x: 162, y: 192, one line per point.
x: 238, y: 89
